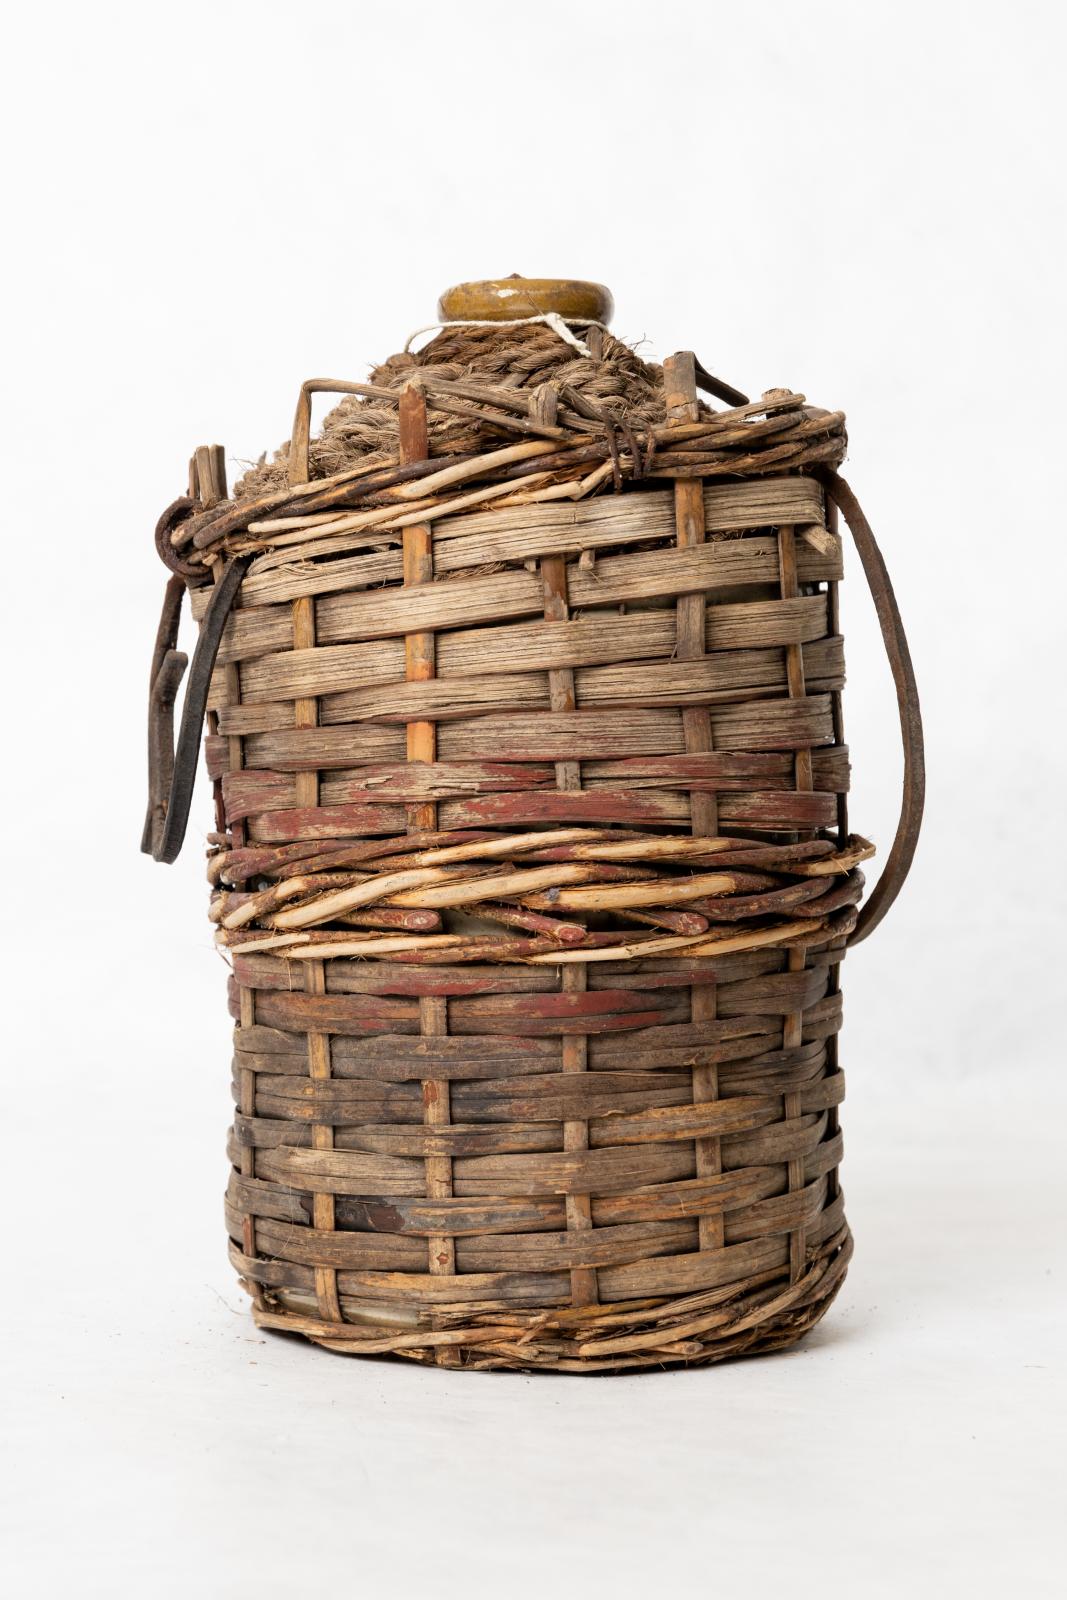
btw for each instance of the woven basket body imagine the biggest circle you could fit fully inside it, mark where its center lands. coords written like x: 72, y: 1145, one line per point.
x: 534, y: 871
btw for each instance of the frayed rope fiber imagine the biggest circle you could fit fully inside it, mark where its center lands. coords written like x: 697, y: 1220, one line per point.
x: 517, y: 356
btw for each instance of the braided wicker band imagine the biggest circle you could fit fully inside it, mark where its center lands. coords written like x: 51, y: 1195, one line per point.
x: 533, y: 862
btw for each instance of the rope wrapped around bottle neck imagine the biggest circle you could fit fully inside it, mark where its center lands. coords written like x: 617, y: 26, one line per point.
x: 551, y: 319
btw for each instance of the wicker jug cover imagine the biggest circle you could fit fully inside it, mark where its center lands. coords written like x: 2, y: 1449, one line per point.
x: 646, y: 802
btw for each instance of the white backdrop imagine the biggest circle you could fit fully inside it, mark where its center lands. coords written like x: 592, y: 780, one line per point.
x: 209, y: 203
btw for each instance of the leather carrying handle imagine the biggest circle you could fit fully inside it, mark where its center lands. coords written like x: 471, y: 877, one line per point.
x: 172, y: 768
x: 898, y: 862
x: 168, y: 669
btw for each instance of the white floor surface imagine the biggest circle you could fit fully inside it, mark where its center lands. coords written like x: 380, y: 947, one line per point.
x: 912, y: 1444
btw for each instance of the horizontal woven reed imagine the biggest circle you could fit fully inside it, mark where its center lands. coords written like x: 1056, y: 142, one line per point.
x: 534, y: 870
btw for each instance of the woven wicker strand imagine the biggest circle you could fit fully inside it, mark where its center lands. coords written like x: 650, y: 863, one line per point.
x: 532, y: 859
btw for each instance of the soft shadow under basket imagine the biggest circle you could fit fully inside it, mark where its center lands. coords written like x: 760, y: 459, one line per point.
x: 523, y: 687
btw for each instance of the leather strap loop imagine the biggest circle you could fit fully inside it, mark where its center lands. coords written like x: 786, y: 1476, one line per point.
x: 898, y: 862
x: 172, y: 769
x: 176, y: 513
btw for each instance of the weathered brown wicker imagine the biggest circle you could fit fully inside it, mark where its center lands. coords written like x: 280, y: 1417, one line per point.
x: 532, y: 855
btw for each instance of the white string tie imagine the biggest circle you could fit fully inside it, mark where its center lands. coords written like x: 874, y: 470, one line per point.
x: 551, y: 319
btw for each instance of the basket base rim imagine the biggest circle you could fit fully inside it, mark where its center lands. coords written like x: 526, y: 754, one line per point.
x: 748, y: 1321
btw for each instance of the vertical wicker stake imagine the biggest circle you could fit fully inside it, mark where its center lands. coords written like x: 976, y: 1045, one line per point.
x: 793, y: 1025
x: 680, y: 395
x: 306, y: 715
x: 207, y: 484
x: 574, y: 1047
x: 419, y: 654
x: 833, y: 628
x: 420, y: 666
